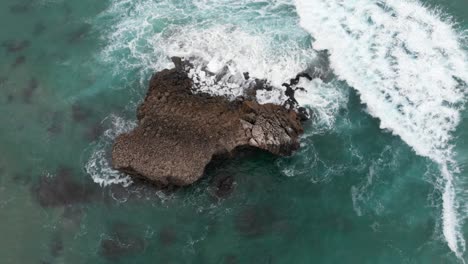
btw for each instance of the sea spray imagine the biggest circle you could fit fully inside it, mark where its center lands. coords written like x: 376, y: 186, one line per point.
x: 98, y: 165
x: 410, y: 69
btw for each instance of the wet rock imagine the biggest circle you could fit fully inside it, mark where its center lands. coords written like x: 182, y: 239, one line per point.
x: 303, y: 114
x: 321, y: 69
x: 180, y: 132
x: 255, y: 221
x: 121, y: 242
x: 61, y: 190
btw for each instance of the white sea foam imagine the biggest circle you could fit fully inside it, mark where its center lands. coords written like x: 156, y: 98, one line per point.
x: 98, y: 165
x: 325, y: 99
x: 409, y: 67
x: 143, y: 35
x: 240, y: 52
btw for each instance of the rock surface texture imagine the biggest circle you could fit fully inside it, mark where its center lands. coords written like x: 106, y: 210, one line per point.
x: 179, y: 132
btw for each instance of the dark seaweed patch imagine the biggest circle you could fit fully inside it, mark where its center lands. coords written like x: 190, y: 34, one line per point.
x: 339, y: 222
x: 20, y: 60
x: 72, y: 216
x: 94, y: 132
x: 13, y: 46
x: 20, y: 8
x: 3, y: 81
x: 255, y: 221
x: 121, y: 242
x: 29, y: 90
x: 22, y: 179
x: 39, y: 28
x: 223, y: 185
x: 79, y: 113
x: 10, y: 98
x: 79, y: 34
x: 56, y: 125
x: 167, y: 236
x: 61, y: 190
x: 56, y: 245
x: 230, y: 259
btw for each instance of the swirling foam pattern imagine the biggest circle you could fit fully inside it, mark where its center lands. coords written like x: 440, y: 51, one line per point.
x: 410, y: 68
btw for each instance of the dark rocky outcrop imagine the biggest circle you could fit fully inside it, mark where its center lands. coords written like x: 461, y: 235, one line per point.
x: 179, y: 131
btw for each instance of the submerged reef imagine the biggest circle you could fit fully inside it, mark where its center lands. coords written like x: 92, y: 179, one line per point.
x: 180, y: 131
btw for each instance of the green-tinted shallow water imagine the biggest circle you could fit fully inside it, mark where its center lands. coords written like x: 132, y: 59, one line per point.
x: 352, y: 194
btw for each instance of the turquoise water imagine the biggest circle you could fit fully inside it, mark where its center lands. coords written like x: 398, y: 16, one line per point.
x: 361, y: 189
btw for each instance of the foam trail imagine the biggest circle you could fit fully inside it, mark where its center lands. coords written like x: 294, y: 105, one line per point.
x: 217, y: 36
x: 98, y: 165
x: 229, y: 48
x: 410, y: 69
x: 143, y: 35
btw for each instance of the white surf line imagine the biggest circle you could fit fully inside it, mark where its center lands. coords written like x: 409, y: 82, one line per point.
x: 409, y: 67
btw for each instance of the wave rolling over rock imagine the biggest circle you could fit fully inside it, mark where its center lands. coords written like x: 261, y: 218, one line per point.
x: 179, y: 131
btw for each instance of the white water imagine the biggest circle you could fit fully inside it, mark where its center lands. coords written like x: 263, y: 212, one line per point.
x: 398, y: 55
x: 98, y: 165
x: 213, y: 34
x: 143, y: 35
x: 403, y: 59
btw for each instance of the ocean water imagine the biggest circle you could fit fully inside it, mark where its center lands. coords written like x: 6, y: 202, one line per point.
x: 381, y: 176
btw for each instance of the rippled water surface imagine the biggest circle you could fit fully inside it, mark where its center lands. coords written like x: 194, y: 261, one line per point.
x: 381, y: 176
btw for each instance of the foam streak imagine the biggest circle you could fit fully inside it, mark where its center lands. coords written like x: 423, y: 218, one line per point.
x: 410, y: 69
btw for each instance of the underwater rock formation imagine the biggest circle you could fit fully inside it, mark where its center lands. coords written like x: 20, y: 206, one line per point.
x: 179, y: 131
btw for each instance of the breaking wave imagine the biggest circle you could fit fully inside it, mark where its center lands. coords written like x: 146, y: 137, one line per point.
x: 144, y: 35
x: 410, y: 68
x: 219, y: 38
x: 98, y: 165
